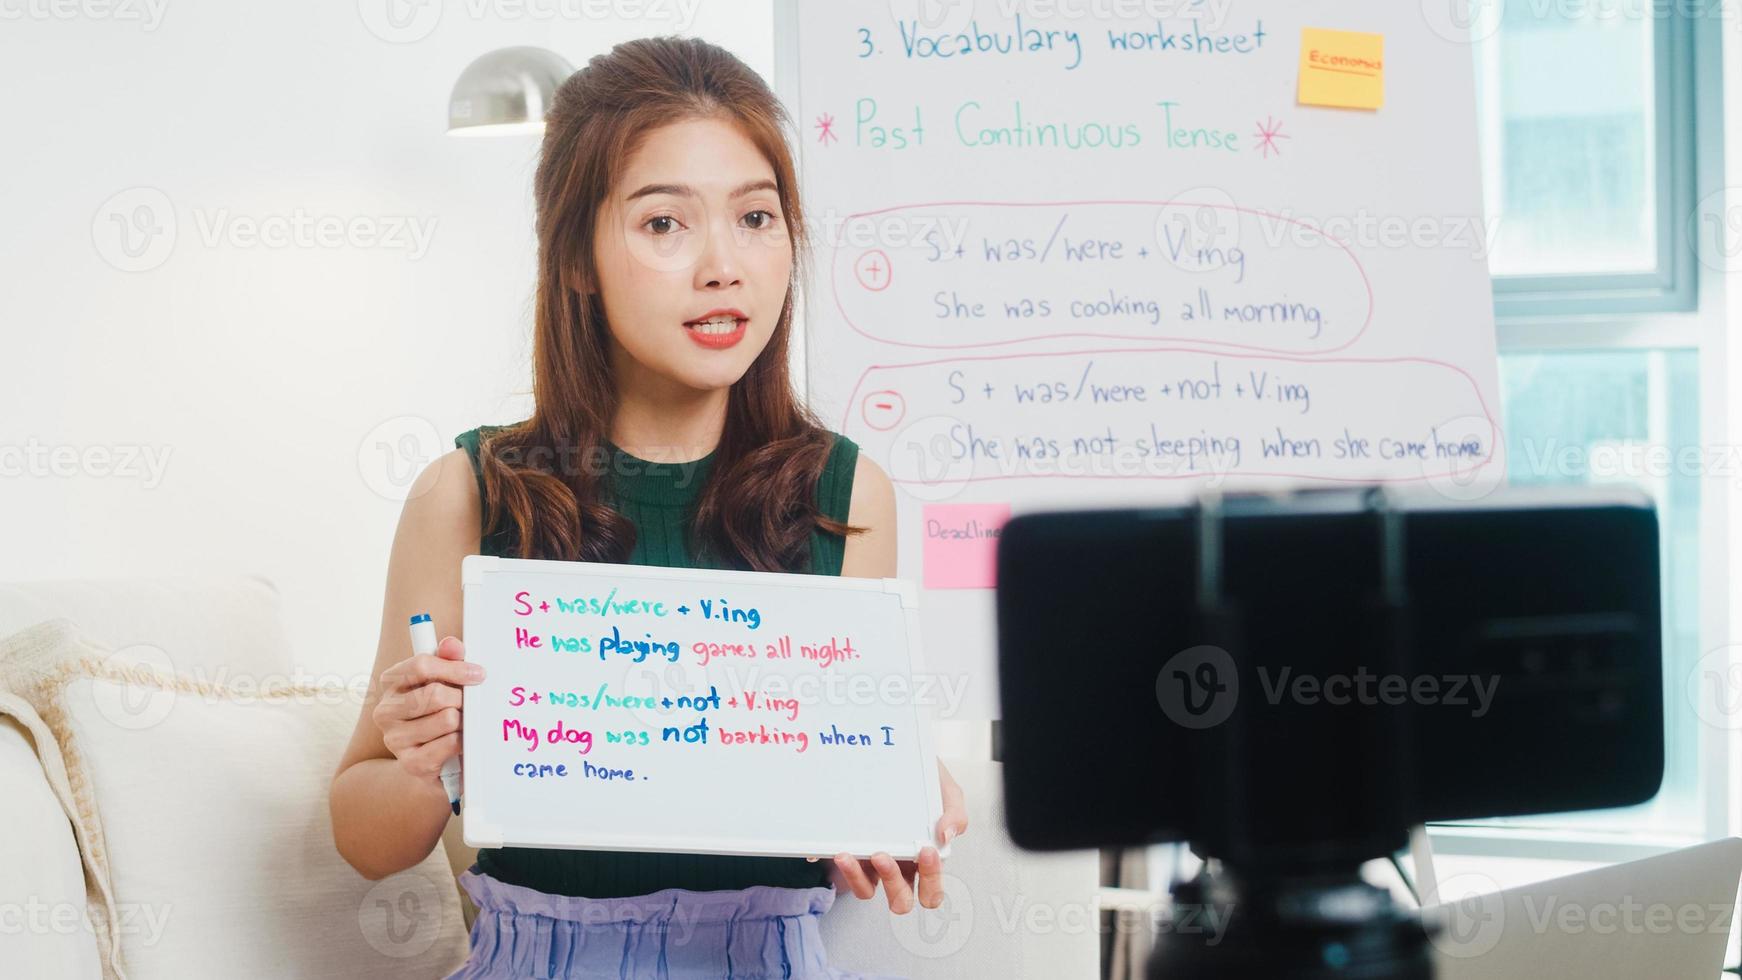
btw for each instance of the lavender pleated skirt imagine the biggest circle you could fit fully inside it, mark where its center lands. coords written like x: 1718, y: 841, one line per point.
x: 757, y: 932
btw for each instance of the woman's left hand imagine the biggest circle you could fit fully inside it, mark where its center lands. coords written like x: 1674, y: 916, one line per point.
x: 861, y: 877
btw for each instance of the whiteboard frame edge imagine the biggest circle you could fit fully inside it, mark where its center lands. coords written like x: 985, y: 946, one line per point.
x: 475, y: 829
x: 473, y: 567
x: 905, y: 588
x: 905, y: 851
x: 472, y: 574
x: 923, y: 715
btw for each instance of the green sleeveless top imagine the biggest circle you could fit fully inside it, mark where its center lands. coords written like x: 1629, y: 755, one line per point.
x: 658, y: 498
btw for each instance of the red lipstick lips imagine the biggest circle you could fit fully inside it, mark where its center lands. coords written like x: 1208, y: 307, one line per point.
x: 711, y: 335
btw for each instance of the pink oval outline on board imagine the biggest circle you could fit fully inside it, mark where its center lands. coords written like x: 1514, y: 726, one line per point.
x: 1488, y: 414
x: 835, y: 291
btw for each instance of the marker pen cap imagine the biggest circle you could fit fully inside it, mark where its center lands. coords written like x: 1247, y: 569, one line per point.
x: 423, y: 634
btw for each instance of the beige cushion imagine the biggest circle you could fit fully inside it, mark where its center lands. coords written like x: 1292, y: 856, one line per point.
x: 200, y: 809
x: 43, y: 890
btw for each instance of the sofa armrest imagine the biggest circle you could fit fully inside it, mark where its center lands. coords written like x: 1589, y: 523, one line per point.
x: 43, y: 928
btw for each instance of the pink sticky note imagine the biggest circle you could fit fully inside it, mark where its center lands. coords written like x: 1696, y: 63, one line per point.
x: 961, y: 544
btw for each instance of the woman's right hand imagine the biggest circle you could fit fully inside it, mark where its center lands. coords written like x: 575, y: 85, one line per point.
x: 419, y: 711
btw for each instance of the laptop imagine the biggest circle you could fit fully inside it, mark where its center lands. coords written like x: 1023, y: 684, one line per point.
x: 1665, y: 917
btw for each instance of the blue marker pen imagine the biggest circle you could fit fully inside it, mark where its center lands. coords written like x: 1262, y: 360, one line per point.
x: 423, y: 640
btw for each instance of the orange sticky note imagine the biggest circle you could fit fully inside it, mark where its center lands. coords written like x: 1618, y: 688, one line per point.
x: 1345, y: 69
x: 961, y: 544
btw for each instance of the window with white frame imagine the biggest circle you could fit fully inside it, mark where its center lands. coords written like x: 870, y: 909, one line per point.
x: 1589, y: 146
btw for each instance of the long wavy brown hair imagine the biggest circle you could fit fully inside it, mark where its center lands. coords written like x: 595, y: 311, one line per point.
x: 756, y: 508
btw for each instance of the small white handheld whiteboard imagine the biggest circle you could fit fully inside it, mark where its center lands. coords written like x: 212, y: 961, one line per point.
x: 633, y: 707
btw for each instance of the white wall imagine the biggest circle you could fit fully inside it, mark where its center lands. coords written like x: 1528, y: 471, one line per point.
x: 290, y: 392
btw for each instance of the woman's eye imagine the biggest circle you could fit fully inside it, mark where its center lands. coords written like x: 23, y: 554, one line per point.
x: 667, y: 229
x: 767, y: 220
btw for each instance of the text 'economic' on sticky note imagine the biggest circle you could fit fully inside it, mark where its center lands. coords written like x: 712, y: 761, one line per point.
x: 1345, y: 69
x: 961, y: 544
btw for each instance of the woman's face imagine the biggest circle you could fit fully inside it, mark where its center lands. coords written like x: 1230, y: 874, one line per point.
x: 693, y: 227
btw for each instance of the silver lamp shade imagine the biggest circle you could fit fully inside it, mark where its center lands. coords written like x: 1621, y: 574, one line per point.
x: 506, y: 91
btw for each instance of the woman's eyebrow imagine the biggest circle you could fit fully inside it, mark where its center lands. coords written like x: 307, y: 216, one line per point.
x: 685, y: 190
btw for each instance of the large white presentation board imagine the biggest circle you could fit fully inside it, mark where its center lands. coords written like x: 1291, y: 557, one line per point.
x: 631, y: 707
x: 1088, y: 254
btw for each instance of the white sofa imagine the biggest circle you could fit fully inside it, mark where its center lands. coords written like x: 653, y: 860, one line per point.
x: 1008, y: 913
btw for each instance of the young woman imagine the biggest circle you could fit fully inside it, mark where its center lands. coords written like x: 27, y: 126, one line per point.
x: 665, y: 431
